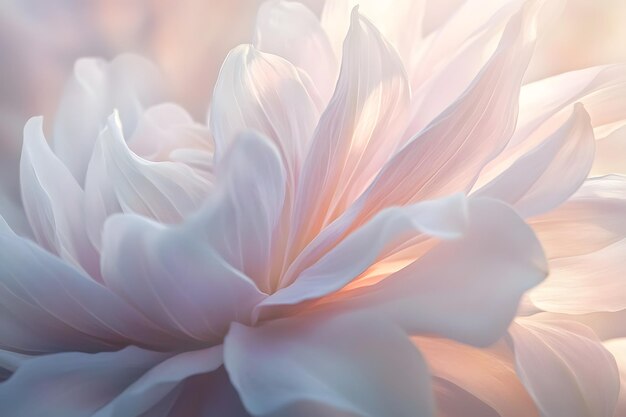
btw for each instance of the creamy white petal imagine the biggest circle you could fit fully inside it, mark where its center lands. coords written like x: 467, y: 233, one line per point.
x: 565, y: 368
x: 617, y: 347
x: 547, y: 175
x: 466, y: 289
x: 611, y: 154
x: 328, y: 365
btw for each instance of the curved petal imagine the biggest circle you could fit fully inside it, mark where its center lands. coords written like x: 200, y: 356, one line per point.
x: 617, y: 347
x: 453, y: 401
x: 356, y: 134
x: 565, y: 368
x: 488, y: 375
x: 587, y: 283
x: 541, y: 179
x: 97, y: 87
x: 53, y: 201
x: 311, y: 365
x: 47, y: 305
x: 448, y: 155
x: 445, y: 218
x: 611, y: 154
x: 472, y: 299
x: 72, y: 384
x: 589, y: 221
x: 289, y: 29
x: 159, y: 381
x: 120, y: 181
x: 264, y: 92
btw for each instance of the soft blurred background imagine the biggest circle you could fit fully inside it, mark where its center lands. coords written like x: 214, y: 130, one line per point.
x: 40, y: 40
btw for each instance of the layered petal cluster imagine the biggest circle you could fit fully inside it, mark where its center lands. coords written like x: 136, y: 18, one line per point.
x: 364, y: 228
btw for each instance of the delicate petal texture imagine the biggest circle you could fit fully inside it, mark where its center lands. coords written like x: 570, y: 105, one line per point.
x: 72, y: 384
x: 617, y: 347
x: 611, y: 154
x: 589, y: 221
x: 264, y: 92
x: 547, y: 175
x: 565, y: 368
x: 309, y: 366
x: 486, y: 374
x: 159, y: 381
x: 586, y: 283
x: 175, y: 277
x: 472, y: 299
x: 445, y: 218
x: 47, y: 305
x: 53, y: 201
x: 453, y: 401
x: 354, y: 132
x: 127, y: 83
x: 290, y: 30
x: 448, y: 155
x: 120, y: 181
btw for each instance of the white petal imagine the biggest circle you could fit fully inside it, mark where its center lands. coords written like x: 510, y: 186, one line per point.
x: 565, y: 368
x: 356, y: 134
x: 547, y: 175
x: 47, y: 305
x: 264, y: 92
x: 618, y: 348
x: 310, y: 366
x: 611, y: 154
x: 120, y: 181
x: 466, y: 289
x: 97, y: 88
x: 289, y: 29
x: 159, y: 381
x: 53, y: 201
x: 72, y: 384
x: 445, y: 218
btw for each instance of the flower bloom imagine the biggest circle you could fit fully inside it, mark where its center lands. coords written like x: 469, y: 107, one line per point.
x: 351, y: 235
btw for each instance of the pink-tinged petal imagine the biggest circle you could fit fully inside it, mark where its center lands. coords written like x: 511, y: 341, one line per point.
x: 445, y: 218
x: 47, y: 305
x: 263, y: 92
x: 53, y: 201
x: 118, y: 180
x: 196, y: 278
x: 166, y: 127
x: 565, y: 368
x: 447, y: 155
x: 73, y: 384
x: 356, y: 134
x: 600, y: 89
x: 617, y: 347
x: 158, y: 382
x: 547, y: 175
x: 487, y: 375
x: 175, y: 277
x: 97, y: 88
x: 589, y: 221
x: 471, y: 299
x: 289, y: 29
x: 453, y: 401
x: 610, y: 154
x: 587, y: 283
x: 328, y: 365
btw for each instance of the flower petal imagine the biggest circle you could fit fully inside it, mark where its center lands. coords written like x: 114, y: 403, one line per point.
x: 120, y: 181
x: 159, y: 381
x: 445, y: 218
x: 53, y: 201
x: 565, y: 368
x: 47, y: 305
x: 471, y: 299
x: 611, y: 154
x: 97, y: 88
x: 289, y: 29
x: 617, y: 347
x: 356, y: 133
x: 72, y: 384
x: 544, y: 177
x: 263, y: 92
x: 309, y: 366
